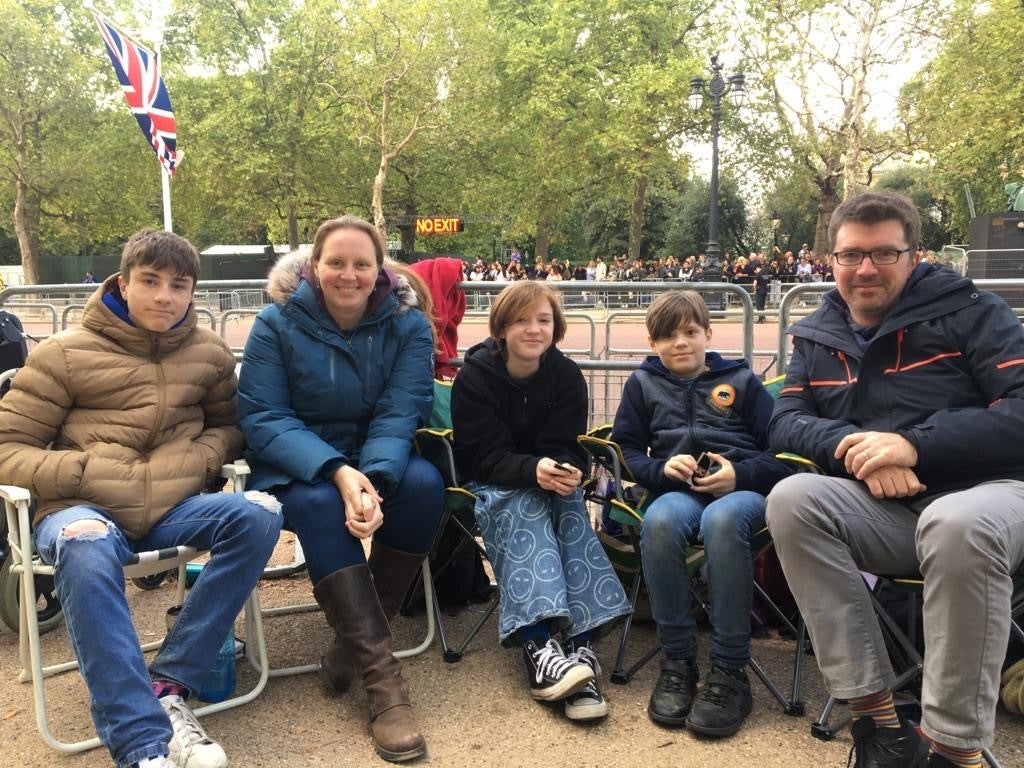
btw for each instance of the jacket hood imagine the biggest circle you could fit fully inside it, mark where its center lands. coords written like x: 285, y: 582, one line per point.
x: 106, y: 314
x: 487, y: 355
x: 714, y: 361
x: 293, y: 268
x: 930, y: 292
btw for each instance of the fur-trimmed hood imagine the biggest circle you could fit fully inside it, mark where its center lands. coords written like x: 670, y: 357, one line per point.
x: 293, y: 267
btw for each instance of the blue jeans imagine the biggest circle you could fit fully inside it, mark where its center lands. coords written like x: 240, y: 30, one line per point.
x: 548, y: 562
x: 672, y: 522
x: 412, y: 513
x: 240, y: 535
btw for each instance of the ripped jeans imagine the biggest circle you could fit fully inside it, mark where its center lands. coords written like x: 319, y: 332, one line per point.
x: 240, y: 530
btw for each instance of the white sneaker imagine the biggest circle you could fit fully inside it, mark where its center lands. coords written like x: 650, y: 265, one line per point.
x: 156, y: 762
x: 587, y: 703
x: 190, y: 746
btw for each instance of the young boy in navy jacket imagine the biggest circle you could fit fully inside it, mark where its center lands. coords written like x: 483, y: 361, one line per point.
x: 681, y: 403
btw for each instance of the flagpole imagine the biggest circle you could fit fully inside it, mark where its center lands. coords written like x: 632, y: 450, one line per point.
x: 165, y: 178
x: 165, y: 183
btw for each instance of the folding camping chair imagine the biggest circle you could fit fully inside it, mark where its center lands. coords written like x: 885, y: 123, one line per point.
x: 434, y: 443
x: 28, y: 567
x: 610, y: 465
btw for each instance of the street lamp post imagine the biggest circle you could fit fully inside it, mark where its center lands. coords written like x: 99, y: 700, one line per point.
x: 716, y: 88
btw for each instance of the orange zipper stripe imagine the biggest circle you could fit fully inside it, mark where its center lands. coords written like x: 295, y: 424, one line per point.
x: 929, y: 361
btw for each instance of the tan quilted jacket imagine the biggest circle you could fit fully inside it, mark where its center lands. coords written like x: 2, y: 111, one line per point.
x: 120, y: 418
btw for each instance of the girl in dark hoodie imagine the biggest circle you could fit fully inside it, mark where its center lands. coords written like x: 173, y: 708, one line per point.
x: 517, y: 408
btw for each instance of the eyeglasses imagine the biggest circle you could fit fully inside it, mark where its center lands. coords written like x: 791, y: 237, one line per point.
x: 879, y: 258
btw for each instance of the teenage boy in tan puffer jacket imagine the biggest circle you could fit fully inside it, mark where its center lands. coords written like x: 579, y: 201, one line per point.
x: 116, y: 427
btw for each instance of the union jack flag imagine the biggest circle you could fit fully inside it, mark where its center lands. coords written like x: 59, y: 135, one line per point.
x: 138, y: 70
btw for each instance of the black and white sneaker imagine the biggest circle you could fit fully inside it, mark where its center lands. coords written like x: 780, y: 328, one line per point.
x: 587, y: 703
x: 553, y: 676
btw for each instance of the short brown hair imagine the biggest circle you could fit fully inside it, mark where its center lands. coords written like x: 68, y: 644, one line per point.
x: 515, y: 299
x: 348, y: 221
x: 161, y: 250
x: 874, y: 207
x: 673, y: 309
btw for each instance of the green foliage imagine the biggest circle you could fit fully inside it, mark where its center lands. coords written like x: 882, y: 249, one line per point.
x: 556, y: 126
x: 918, y: 183
x: 966, y: 106
x: 688, y: 225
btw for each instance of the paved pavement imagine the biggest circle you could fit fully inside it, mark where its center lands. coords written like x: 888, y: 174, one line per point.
x: 474, y: 713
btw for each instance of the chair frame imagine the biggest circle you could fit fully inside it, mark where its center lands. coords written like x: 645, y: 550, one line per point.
x: 607, y: 454
x: 435, y: 445
x: 900, y: 642
x: 27, y: 565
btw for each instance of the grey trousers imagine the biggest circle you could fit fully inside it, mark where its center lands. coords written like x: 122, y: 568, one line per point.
x: 966, y: 545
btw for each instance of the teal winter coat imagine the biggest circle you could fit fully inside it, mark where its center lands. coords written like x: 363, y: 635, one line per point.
x: 311, y: 399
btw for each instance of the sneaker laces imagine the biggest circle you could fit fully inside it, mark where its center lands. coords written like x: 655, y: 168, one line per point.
x: 717, y: 691
x: 584, y: 654
x: 551, y: 661
x: 184, y: 723
x: 674, y: 682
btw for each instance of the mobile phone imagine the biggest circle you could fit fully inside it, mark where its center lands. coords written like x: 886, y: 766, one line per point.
x: 564, y: 467
x: 704, y: 463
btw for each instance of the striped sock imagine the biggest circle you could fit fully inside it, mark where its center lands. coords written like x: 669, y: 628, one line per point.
x: 166, y: 688
x: 964, y: 758
x: 877, y: 706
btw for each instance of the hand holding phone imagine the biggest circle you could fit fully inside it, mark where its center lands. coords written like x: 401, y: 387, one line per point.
x: 567, y: 468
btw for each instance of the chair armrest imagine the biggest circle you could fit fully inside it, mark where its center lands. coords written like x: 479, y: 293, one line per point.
x: 435, y: 445
x: 235, y: 473
x: 14, y: 494
x: 800, y: 463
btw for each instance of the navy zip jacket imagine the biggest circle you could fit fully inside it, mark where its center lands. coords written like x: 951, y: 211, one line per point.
x: 945, y: 370
x: 725, y: 410
x: 503, y: 427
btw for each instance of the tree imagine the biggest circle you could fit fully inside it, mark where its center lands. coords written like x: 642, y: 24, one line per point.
x: 819, y: 65
x: 965, y: 106
x: 918, y: 183
x: 45, y: 96
x: 392, y: 71
x: 688, y: 225
x: 267, y: 102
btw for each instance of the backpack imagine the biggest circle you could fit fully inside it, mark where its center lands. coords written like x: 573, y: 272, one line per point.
x: 13, y: 349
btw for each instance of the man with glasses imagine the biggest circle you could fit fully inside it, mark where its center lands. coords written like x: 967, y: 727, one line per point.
x: 907, y: 387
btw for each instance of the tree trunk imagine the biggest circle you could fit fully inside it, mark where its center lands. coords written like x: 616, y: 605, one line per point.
x: 26, y: 220
x: 408, y: 231
x: 543, y: 240
x: 827, y: 202
x: 636, y: 216
x: 377, y: 206
x: 293, y: 228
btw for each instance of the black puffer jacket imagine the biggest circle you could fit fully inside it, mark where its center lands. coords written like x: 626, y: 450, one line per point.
x: 503, y: 428
x: 945, y: 370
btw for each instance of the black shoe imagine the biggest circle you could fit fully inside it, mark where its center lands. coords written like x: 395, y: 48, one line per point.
x: 553, y: 676
x: 673, y: 694
x: 722, y: 704
x: 876, y: 747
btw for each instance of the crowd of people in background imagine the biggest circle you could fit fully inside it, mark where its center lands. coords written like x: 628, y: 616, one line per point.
x: 804, y: 266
